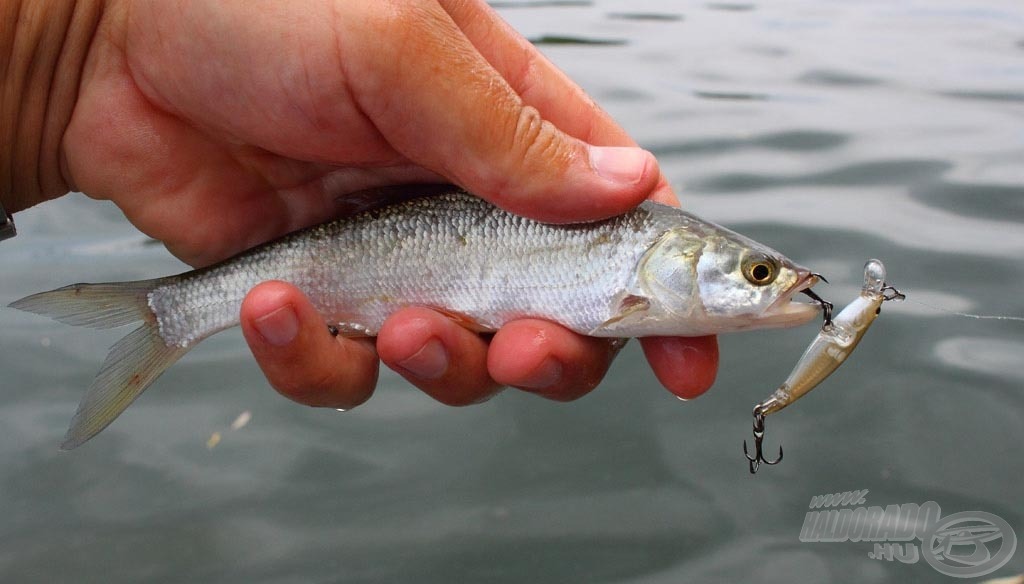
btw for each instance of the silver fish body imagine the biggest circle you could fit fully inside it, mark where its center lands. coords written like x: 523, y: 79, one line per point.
x: 656, y: 270
x: 454, y: 252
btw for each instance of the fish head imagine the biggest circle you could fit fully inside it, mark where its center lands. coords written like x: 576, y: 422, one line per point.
x: 715, y: 281
x: 743, y: 285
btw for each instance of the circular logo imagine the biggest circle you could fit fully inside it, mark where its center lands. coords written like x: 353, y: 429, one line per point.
x: 961, y: 545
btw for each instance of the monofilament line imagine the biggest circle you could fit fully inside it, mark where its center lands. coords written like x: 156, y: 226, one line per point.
x: 967, y: 314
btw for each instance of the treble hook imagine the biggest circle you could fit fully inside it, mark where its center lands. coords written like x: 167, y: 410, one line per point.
x: 758, y: 458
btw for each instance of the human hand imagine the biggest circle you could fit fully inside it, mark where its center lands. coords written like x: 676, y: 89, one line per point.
x: 216, y: 126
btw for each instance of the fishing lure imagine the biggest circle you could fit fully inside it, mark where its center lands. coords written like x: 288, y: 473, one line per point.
x: 825, y: 354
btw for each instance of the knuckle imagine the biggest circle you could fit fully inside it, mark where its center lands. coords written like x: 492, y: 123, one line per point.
x: 534, y: 139
x: 525, y: 144
x: 526, y: 77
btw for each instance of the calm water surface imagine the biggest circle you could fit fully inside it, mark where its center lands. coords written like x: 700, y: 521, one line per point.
x: 834, y: 131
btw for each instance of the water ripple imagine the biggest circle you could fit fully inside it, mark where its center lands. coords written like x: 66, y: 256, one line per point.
x: 731, y: 6
x: 646, y: 16
x: 540, y: 4
x: 990, y: 201
x: 998, y: 96
x: 551, y: 39
x: 837, y: 78
x: 790, y: 140
x: 732, y: 95
x: 878, y: 172
x: 884, y: 213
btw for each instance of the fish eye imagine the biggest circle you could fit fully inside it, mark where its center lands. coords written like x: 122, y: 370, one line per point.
x: 760, y: 271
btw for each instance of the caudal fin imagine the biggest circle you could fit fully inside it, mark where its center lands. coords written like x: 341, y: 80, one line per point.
x: 134, y: 362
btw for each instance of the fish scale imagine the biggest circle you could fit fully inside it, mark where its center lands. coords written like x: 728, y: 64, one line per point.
x: 453, y: 251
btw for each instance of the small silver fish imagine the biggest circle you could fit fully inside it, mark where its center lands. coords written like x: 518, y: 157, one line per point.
x: 656, y: 270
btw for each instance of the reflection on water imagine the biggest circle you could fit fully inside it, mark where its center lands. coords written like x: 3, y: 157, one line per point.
x: 983, y: 355
x: 833, y: 131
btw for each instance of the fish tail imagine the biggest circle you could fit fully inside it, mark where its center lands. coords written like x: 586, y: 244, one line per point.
x: 133, y: 363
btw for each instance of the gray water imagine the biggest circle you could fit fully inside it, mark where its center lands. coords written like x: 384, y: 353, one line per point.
x: 834, y: 131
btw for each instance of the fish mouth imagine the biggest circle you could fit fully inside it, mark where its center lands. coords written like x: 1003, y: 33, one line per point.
x: 787, y: 311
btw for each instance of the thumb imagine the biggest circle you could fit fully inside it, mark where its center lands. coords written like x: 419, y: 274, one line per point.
x: 447, y: 109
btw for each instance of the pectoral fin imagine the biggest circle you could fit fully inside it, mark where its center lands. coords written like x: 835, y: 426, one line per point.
x: 632, y: 309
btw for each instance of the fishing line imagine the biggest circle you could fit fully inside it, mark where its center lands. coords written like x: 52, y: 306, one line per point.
x: 966, y: 314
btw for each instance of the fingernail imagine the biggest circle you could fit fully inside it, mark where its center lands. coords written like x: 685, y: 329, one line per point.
x: 548, y: 374
x: 279, y: 327
x: 619, y: 164
x: 430, y: 362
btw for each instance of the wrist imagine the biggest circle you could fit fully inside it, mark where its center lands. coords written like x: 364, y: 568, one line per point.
x: 45, y: 44
x: 7, y: 229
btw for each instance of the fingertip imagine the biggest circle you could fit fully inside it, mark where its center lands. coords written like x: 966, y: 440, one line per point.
x: 621, y: 177
x: 686, y: 366
x: 517, y: 351
x: 269, y: 315
x: 410, y: 342
x: 599, y: 182
x: 622, y: 166
x: 547, y: 359
x: 299, y: 357
x: 434, y: 353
